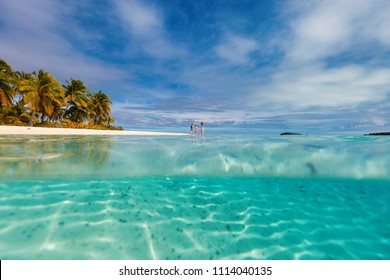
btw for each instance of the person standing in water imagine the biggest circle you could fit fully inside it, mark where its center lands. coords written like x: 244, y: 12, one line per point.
x: 192, y: 128
x: 202, y: 128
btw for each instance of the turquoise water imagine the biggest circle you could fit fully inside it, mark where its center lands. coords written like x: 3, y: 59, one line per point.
x: 221, y: 197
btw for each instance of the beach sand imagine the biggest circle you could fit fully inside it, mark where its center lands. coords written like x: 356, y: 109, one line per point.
x: 25, y: 130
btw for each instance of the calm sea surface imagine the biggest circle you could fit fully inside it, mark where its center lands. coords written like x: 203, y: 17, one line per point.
x: 218, y: 197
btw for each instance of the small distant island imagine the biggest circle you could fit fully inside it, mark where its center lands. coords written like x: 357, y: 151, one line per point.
x: 38, y: 99
x: 387, y: 133
x: 290, y: 133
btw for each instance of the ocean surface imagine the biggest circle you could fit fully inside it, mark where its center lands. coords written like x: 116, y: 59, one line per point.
x: 217, y: 197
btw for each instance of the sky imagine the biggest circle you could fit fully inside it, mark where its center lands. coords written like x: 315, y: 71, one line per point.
x: 306, y: 66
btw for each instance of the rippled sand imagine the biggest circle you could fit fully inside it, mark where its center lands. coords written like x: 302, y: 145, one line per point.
x: 195, y: 218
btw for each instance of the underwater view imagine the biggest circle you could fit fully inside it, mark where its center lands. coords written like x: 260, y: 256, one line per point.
x: 217, y: 197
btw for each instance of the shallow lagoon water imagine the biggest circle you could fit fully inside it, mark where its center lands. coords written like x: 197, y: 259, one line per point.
x: 221, y: 197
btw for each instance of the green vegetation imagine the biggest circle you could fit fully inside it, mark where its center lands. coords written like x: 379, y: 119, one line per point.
x: 386, y: 133
x: 38, y: 99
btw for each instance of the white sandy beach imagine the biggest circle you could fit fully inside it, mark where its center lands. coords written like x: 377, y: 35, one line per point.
x: 25, y: 130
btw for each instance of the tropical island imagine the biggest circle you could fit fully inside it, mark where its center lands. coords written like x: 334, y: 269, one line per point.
x: 385, y: 133
x: 40, y: 100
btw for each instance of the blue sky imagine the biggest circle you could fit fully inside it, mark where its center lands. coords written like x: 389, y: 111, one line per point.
x: 308, y: 66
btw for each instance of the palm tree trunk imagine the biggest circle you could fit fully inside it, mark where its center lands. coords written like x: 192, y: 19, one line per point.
x: 63, y: 114
x: 30, y: 123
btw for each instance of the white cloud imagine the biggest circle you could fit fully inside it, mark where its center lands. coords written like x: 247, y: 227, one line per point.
x: 143, y: 115
x: 330, y: 27
x: 378, y: 22
x: 322, y: 30
x: 236, y: 49
x: 377, y: 121
x: 35, y: 18
x: 31, y: 40
x: 314, y: 86
x: 145, y: 23
x: 141, y: 19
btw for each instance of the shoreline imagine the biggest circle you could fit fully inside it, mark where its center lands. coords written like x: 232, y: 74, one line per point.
x: 26, y: 130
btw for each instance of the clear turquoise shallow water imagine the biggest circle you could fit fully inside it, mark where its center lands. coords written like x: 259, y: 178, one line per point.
x: 222, y: 197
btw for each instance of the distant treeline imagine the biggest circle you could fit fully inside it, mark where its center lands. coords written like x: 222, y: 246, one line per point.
x: 39, y: 99
x: 387, y: 133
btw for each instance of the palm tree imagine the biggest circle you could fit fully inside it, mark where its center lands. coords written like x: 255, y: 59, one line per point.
x: 42, y: 94
x: 100, y: 107
x: 110, y: 120
x: 26, y: 96
x: 6, y: 91
x: 14, y: 116
x: 76, y: 100
x: 78, y: 114
x: 19, y: 77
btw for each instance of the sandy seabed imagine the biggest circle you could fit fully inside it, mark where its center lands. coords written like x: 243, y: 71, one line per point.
x: 25, y: 130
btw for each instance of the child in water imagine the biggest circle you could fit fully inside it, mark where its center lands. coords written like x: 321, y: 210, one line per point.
x: 202, y: 128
